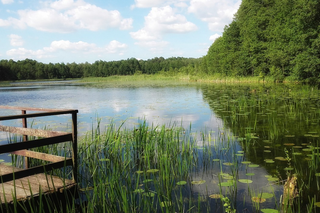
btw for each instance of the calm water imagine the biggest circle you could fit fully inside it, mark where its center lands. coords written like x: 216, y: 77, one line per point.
x: 265, y: 122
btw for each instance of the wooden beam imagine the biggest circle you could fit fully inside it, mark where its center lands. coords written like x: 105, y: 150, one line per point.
x: 34, y: 170
x: 35, y: 143
x: 32, y: 108
x: 33, y: 115
x: 31, y: 132
x: 39, y: 155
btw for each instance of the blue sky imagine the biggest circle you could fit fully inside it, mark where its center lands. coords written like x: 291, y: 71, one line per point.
x: 90, y: 30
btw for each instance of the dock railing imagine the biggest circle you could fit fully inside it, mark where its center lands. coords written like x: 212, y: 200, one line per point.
x: 47, y: 137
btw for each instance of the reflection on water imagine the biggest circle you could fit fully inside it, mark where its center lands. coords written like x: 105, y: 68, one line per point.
x: 274, y: 129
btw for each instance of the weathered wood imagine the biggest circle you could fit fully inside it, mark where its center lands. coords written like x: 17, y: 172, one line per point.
x: 18, y: 183
x: 23, y: 188
x: 75, y: 146
x: 35, y: 143
x: 33, y: 109
x: 25, y: 137
x: 39, y: 155
x: 31, y: 132
x: 34, y: 170
x: 33, y: 115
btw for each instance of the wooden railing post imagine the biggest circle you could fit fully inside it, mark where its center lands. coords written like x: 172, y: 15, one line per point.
x: 25, y: 137
x: 75, y: 146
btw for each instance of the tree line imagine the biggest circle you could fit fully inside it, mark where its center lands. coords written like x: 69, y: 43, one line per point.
x: 278, y: 38
x: 31, y: 69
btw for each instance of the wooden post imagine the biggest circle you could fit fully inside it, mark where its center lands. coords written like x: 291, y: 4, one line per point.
x: 25, y: 137
x: 75, y: 146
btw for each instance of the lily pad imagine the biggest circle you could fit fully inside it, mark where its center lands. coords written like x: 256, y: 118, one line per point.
x: 216, y: 196
x: 253, y: 165
x: 199, y: 182
x: 228, y: 164
x: 245, y: 181
x: 139, y: 172
x: 288, y: 169
x: 152, y: 170
x: 273, y: 179
x: 297, y: 153
x: 270, y: 210
x: 266, y: 195
x: 216, y: 160
x: 228, y: 183
x: 289, y: 144
x: 246, y: 162
x: 181, y: 183
x: 250, y: 174
x: 269, y: 161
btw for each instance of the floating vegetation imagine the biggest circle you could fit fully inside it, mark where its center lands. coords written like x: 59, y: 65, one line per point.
x: 270, y: 210
x: 269, y: 161
x: 181, y: 183
x: 245, y: 181
x: 246, y: 162
x: 258, y: 200
x: 253, y: 165
x: 216, y: 196
x: 198, y: 182
x: 152, y: 170
x: 228, y: 164
x: 266, y: 195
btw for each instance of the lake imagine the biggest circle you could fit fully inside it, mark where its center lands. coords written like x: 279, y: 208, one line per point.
x: 254, y: 135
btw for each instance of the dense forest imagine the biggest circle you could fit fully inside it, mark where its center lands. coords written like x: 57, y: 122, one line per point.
x: 276, y: 38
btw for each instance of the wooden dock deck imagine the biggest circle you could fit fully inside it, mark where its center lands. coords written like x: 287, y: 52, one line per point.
x: 23, y: 184
x: 31, y: 186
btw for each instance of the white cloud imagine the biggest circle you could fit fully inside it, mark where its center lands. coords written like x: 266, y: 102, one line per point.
x: 80, y: 47
x: 66, y: 16
x: 161, y: 21
x: 22, y: 53
x: 16, y: 40
x: 16, y: 23
x: 116, y: 47
x: 214, y: 37
x: 216, y: 13
x: 7, y: 1
x: 158, y: 3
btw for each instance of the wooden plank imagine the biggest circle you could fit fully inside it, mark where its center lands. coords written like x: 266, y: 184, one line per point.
x: 34, y: 170
x: 23, y: 188
x: 33, y: 115
x: 31, y: 132
x: 40, y: 155
x: 35, y: 143
x: 33, y: 108
x: 75, y: 146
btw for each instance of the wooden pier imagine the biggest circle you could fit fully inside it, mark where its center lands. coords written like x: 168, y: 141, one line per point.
x: 34, y: 183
